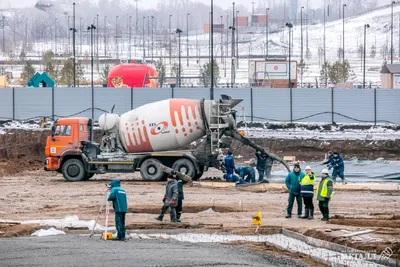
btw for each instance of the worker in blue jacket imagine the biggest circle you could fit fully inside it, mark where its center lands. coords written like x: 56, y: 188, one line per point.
x: 229, y: 164
x: 247, y: 174
x: 120, y: 205
x: 292, y: 182
x: 338, y: 167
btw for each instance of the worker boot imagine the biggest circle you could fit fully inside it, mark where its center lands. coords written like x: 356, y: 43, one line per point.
x: 306, y: 214
x: 159, y: 218
x: 344, y: 181
x: 311, y: 216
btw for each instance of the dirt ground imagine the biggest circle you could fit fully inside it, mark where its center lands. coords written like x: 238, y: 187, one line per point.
x: 43, y: 195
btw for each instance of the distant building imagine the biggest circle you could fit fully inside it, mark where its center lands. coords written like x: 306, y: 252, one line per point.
x: 242, y: 21
x: 258, y: 19
x: 390, y: 76
x: 217, y: 28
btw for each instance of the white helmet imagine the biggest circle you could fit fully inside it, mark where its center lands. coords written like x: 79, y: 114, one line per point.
x: 324, y: 171
x: 308, y: 168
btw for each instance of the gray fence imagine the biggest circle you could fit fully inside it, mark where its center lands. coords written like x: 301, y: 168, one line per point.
x: 259, y: 104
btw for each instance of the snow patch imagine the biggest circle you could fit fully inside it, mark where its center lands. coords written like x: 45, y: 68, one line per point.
x: 48, y: 232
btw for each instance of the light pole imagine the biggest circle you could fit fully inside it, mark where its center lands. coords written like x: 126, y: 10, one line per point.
x: 178, y: 31
x: 152, y: 38
x: 344, y: 5
x: 187, y: 38
x: 324, y: 66
x: 237, y: 40
x: 212, y: 52
x: 69, y: 37
x: 130, y: 37
x: 97, y: 40
x: 73, y: 29
x: 105, y: 36
x: 144, y: 40
x: 366, y: 26
x: 266, y: 33
x: 233, y: 28
x: 169, y: 36
x: 55, y: 36
x: 391, y: 35
x: 80, y: 36
x: 290, y: 26
x: 302, y: 51
x: 91, y: 28
x: 222, y: 46
x: 4, y: 43
x: 116, y: 35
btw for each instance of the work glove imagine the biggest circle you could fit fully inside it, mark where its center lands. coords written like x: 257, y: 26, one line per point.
x: 172, y: 202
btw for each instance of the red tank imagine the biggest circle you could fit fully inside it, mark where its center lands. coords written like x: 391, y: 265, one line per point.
x: 132, y: 75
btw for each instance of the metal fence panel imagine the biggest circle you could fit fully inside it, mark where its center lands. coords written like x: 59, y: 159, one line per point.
x: 192, y: 93
x: 105, y: 98
x: 388, y: 106
x: 32, y: 103
x: 271, y: 104
x: 142, y: 96
x: 6, y: 103
x: 244, y: 107
x: 308, y: 102
x: 73, y: 101
x: 355, y: 105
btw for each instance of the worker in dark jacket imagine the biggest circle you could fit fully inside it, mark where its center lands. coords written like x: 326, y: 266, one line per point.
x: 261, y: 164
x: 120, y: 205
x: 338, y: 167
x: 181, y: 197
x: 292, y: 182
x: 307, y: 193
x: 324, y: 194
x: 170, y: 199
x: 329, y: 160
x: 246, y: 174
x: 229, y: 165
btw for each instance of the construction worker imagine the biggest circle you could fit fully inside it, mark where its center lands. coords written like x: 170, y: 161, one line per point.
x: 307, y: 193
x: 261, y: 164
x: 120, y: 205
x: 328, y: 161
x: 246, y: 174
x: 170, y: 199
x: 324, y: 194
x: 181, y: 197
x: 338, y: 167
x: 292, y: 182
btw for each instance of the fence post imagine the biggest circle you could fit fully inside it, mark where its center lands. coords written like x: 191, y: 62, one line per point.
x: 52, y: 103
x: 332, y: 106
x: 291, y: 105
x: 13, y: 103
x: 251, y: 103
x: 131, y: 98
x: 172, y: 91
x: 375, y: 106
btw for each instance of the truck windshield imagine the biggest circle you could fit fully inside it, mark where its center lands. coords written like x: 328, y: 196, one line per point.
x: 62, y: 130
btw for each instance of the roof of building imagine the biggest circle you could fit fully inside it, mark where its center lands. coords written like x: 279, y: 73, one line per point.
x: 391, y: 68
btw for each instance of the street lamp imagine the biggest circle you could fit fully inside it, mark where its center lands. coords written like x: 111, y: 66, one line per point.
x: 301, y: 34
x: 391, y: 35
x: 105, y: 36
x: 366, y: 26
x: 187, y: 38
x: 144, y: 40
x: 222, y: 46
x: 266, y: 33
x: 233, y: 28
x: 179, y: 31
x: 212, y: 52
x: 4, y: 43
x: 152, y: 38
x: 290, y: 26
x: 91, y: 28
x: 73, y: 29
x: 116, y: 34
x: 237, y: 41
x: 130, y: 37
x: 344, y: 5
x: 169, y: 36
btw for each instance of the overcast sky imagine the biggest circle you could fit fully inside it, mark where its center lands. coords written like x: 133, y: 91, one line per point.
x: 152, y: 3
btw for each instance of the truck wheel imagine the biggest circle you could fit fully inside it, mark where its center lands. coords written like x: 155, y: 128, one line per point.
x: 150, y: 170
x: 184, y: 166
x: 73, y: 170
x: 198, y: 175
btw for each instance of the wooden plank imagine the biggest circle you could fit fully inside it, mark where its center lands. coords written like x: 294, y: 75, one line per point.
x: 359, y: 233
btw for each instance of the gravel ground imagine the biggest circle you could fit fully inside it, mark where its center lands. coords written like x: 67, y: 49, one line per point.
x: 81, y: 251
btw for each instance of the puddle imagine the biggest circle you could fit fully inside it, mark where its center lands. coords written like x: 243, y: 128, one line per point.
x: 282, y: 241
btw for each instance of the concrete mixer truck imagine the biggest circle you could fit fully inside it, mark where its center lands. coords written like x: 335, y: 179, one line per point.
x: 146, y: 138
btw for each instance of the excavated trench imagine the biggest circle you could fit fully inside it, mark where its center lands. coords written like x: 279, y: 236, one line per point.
x: 22, y: 150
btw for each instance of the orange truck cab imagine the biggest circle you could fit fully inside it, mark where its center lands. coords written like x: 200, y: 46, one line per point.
x: 65, y: 145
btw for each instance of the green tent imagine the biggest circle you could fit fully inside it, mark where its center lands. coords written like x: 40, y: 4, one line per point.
x: 41, y: 80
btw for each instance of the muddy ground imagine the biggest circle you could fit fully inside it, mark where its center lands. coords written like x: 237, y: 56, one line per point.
x: 42, y: 195
x: 24, y: 149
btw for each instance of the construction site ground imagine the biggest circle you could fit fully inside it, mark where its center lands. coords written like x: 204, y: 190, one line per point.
x: 42, y: 195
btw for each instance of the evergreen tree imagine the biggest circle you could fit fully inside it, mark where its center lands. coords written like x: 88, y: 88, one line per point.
x: 27, y: 73
x: 161, y: 70
x: 339, y: 72
x: 324, y: 74
x: 67, y: 73
x: 206, y: 73
x: 104, y: 74
x: 373, y: 52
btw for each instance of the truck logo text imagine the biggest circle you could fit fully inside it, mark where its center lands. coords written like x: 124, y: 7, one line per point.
x: 160, y: 128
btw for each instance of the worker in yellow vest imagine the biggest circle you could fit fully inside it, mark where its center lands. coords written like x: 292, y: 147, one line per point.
x: 307, y: 193
x: 324, y: 194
